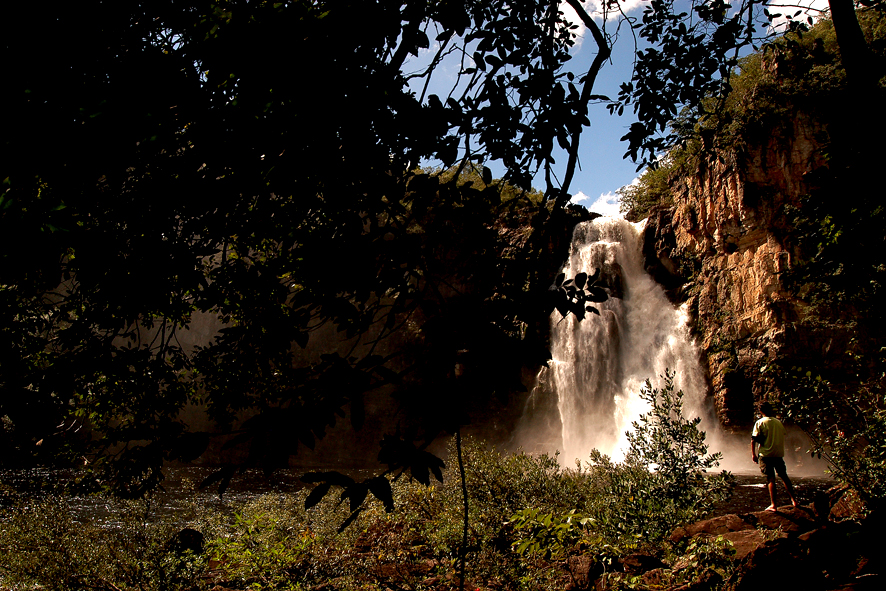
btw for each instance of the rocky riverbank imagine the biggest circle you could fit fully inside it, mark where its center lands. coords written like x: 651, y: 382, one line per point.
x: 828, y: 545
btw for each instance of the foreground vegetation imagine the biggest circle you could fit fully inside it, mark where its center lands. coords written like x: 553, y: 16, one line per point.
x: 527, y: 517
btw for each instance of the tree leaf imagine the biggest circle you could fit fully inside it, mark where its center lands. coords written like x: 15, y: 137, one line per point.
x: 317, y: 494
x: 380, y: 487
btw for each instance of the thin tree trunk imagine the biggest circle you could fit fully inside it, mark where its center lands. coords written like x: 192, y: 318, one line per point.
x: 855, y: 54
x: 464, y: 491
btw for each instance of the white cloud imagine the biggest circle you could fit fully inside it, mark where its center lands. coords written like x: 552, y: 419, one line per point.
x: 606, y: 203
x: 580, y: 196
x: 813, y: 8
x: 594, y: 8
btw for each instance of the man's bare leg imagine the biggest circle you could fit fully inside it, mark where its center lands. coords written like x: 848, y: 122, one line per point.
x: 790, y: 488
x: 770, y: 485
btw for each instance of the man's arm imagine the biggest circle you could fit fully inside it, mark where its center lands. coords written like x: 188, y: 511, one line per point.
x: 758, y: 435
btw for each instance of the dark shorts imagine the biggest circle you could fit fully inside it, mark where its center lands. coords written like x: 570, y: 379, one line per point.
x: 770, y: 466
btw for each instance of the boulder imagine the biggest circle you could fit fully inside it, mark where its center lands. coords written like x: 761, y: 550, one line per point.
x: 583, y: 571
x: 709, y: 580
x: 637, y: 564
x: 797, y: 548
x: 783, y: 562
x: 792, y: 521
x: 788, y: 520
x: 712, y: 527
x: 746, y: 541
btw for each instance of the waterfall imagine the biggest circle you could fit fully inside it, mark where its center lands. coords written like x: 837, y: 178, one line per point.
x: 599, y: 364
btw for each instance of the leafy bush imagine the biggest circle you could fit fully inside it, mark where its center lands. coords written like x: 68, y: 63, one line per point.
x: 652, y: 188
x: 663, y: 481
x: 264, y: 546
x: 549, y: 534
x: 704, y: 553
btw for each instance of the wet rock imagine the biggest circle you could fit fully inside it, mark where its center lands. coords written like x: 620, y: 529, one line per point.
x: 745, y: 542
x: 583, y: 571
x: 657, y: 578
x: 637, y: 564
x: 848, y: 505
x: 795, y: 547
x: 776, y: 563
x: 709, y: 580
x: 792, y: 521
x: 187, y: 540
x: 713, y: 527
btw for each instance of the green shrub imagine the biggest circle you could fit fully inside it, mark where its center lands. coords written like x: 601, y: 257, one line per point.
x: 707, y: 554
x: 264, y: 546
x: 550, y: 534
x: 662, y: 483
x: 663, y: 480
x: 43, y: 546
x: 652, y: 188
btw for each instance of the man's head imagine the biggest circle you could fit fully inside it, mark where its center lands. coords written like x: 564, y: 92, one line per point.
x: 766, y: 409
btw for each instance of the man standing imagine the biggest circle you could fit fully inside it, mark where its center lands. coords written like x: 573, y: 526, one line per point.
x: 769, y: 434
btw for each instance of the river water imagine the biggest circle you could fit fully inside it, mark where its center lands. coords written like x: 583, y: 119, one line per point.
x: 180, y: 491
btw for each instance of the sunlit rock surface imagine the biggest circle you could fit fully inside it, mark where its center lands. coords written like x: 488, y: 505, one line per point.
x: 722, y: 247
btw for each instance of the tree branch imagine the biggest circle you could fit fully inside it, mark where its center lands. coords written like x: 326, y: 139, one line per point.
x: 603, y: 53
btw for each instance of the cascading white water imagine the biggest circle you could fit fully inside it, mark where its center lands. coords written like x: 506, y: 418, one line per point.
x: 600, y: 363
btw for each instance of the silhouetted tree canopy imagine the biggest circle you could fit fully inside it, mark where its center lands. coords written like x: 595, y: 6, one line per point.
x: 258, y: 163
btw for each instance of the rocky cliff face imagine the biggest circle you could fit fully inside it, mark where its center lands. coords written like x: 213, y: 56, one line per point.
x: 722, y: 247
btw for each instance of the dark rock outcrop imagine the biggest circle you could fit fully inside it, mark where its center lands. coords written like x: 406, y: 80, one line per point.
x: 779, y: 563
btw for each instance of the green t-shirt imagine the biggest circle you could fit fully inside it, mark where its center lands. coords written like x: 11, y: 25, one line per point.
x: 772, y: 429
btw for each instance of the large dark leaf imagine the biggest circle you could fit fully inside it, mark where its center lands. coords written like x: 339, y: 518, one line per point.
x: 597, y: 294
x: 222, y: 476
x: 380, y: 487
x: 317, y: 494
x: 356, y: 494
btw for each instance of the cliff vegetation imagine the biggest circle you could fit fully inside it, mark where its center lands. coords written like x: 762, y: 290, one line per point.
x: 768, y: 219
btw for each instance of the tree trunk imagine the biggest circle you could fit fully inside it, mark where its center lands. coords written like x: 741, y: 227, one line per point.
x: 858, y: 60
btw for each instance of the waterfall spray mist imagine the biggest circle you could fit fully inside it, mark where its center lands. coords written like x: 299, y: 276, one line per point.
x: 600, y: 363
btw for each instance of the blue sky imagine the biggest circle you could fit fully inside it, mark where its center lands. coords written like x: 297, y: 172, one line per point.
x: 603, y: 170
x: 600, y: 150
